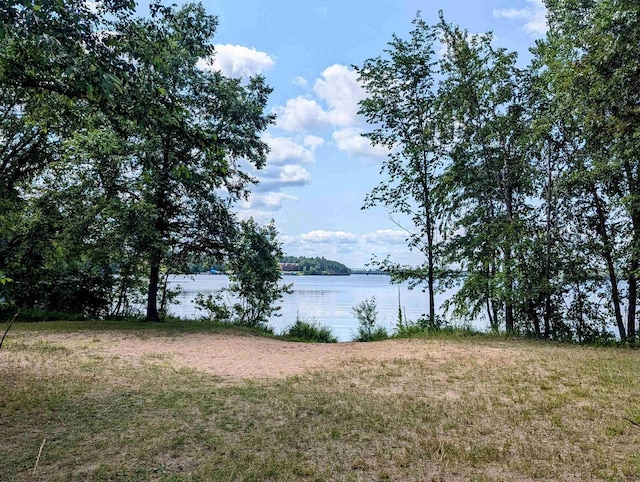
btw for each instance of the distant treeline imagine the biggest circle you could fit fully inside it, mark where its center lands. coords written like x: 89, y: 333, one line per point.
x: 316, y: 265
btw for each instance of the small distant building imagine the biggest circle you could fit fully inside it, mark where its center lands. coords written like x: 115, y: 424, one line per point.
x: 289, y: 266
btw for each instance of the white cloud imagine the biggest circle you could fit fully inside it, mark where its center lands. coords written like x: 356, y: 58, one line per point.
x: 274, y: 178
x: 238, y: 61
x: 351, y: 141
x: 355, y: 250
x: 331, y: 237
x: 535, y: 16
x: 271, y: 201
x: 337, y: 94
x: 293, y: 174
x: 287, y: 150
x: 313, y: 141
x: 387, y: 236
x: 340, y: 90
x: 301, y: 114
x: 300, y: 81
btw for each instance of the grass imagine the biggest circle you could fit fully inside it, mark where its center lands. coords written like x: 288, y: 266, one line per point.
x: 311, y: 332
x: 529, y: 411
x: 169, y: 327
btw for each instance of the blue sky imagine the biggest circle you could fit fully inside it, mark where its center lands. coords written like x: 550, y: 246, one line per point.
x: 320, y: 168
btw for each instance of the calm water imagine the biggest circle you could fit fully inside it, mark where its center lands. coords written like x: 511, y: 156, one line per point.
x: 325, y: 299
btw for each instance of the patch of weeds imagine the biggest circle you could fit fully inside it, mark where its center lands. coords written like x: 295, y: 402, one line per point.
x: 309, y: 332
x: 440, y: 328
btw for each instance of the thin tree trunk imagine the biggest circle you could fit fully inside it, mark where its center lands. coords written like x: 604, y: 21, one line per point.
x: 634, y: 188
x: 508, y: 308
x: 613, y: 279
x: 548, y: 248
x: 533, y: 316
x: 163, y: 298
x: 152, y: 299
x: 160, y: 203
x: 633, y: 300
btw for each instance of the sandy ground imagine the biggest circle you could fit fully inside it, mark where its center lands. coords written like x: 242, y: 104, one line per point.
x: 233, y: 356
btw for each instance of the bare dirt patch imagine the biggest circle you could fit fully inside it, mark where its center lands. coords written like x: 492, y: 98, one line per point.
x: 255, y: 357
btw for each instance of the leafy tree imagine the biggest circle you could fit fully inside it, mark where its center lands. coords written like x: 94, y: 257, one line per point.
x: 588, y: 60
x: 402, y: 105
x: 145, y: 160
x: 54, y: 59
x: 255, y: 277
x: 485, y: 188
x: 62, y: 47
x: 367, y: 314
x: 193, y: 127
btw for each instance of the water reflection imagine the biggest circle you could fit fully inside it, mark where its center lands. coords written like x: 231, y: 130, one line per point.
x: 327, y: 300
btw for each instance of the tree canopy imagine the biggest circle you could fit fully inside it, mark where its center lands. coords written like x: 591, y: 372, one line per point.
x: 521, y: 184
x: 121, y: 156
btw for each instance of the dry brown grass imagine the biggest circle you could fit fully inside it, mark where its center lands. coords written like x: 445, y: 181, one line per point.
x: 152, y: 406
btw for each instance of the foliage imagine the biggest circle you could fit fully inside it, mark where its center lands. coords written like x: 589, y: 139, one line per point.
x: 121, y: 157
x: 214, y: 307
x: 402, y: 104
x: 420, y: 329
x: 255, y: 277
x: 521, y: 184
x: 316, y: 266
x: 584, y: 65
x: 367, y: 313
x: 309, y: 332
x: 193, y: 126
x: 121, y: 160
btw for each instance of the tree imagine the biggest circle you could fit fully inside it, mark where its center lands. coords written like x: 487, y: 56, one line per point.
x: 255, y: 274
x: 402, y: 106
x: 142, y: 149
x: 55, y: 61
x: 63, y: 47
x: 485, y: 187
x: 589, y: 59
x: 193, y: 128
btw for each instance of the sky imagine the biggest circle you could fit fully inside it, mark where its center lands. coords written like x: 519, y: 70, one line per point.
x: 320, y: 168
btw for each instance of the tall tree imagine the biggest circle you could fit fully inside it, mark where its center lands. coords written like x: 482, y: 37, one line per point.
x: 54, y: 59
x: 402, y: 107
x: 62, y: 47
x: 590, y: 58
x: 193, y: 128
x: 487, y: 182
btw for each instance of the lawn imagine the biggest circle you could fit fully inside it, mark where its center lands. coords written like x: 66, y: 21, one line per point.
x: 71, y: 411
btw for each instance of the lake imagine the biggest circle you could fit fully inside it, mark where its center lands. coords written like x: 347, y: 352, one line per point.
x: 326, y: 300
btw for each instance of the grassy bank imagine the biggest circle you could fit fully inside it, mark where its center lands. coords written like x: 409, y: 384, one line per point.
x: 538, y: 411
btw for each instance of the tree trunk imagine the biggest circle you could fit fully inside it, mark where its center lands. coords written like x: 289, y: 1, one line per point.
x: 152, y: 299
x: 548, y: 249
x: 508, y: 308
x: 432, y: 307
x: 633, y: 299
x: 533, y: 316
x: 613, y: 279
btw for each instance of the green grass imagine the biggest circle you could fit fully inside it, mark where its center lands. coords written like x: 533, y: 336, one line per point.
x: 311, y: 332
x: 174, y: 326
x: 477, y: 409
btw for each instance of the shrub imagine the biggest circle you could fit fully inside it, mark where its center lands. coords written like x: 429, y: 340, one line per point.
x: 310, y: 332
x: 213, y: 307
x: 367, y: 312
